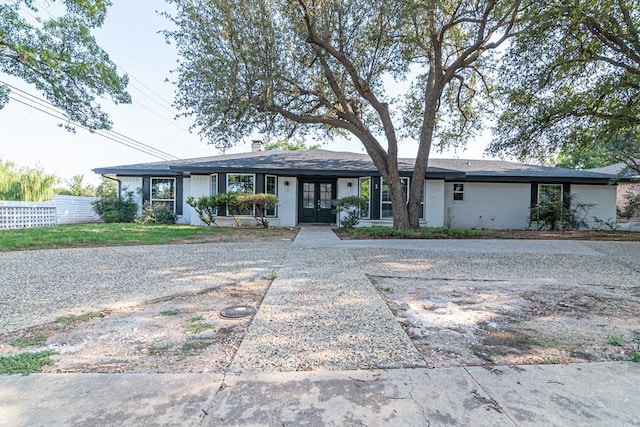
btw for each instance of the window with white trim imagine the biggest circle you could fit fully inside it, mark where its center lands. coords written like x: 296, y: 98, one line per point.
x: 386, y: 210
x: 364, y: 191
x: 458, y: 192
x: 214, y: 184
x: 241, y: 183
x: 549, y: 191
x: 271, y: 187
x: 163, y: 190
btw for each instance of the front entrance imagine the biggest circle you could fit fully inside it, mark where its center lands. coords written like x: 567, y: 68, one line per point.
x: 315, y: 199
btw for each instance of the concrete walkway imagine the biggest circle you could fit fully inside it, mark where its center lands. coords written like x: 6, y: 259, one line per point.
x: 324, y: 350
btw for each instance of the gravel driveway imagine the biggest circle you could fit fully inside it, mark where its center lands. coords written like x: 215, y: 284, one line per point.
x: 38, y: 286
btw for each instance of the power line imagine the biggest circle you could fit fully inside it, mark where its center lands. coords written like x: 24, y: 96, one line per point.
x: 169, y: 109
x: 97, y: 132
x: 48, y: 108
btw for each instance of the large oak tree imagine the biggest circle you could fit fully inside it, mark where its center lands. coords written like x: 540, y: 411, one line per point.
x: 572, y: 84
x: 59, y: 56
x: 286, y: 67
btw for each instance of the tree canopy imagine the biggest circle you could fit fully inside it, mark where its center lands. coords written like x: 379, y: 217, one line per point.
x: 25, y: 184
x: 571, y: 84
x: 60, y: 58
x: 339, y: 67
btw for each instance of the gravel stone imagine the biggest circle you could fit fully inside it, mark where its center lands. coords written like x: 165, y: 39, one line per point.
x: 38, y: 286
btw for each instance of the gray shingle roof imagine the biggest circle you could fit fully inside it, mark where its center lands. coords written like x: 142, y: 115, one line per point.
x: 324, y: 162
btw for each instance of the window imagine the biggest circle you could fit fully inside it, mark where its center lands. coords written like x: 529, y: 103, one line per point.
x: 271, y: 187
x: 549, y: 191
x: 163, y: 191
x: 364, y: 191
x: 458, y: 192
x: 214, y: 184
x: 241, y: 183
x: 385, y: 197
x: 386, y: 210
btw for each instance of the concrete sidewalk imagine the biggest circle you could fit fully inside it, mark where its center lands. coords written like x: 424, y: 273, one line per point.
x: 324, y: 350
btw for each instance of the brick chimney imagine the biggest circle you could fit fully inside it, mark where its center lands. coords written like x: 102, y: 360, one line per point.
x: 257, y: 145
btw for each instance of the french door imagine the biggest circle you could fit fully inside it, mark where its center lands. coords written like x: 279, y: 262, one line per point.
x: 316, y: 198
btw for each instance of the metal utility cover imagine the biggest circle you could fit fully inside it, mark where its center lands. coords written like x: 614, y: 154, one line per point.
x: 237, y: 311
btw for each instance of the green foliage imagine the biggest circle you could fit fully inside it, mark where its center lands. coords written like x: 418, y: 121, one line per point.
x: 72, y: 319
x: 288, y: 145
x: 289, y: 69
x: 556, y: 213
x: 353, y: 207
x: 548, y: 360
x: 258, y: 204
x: 116, y: 209
x: 615, y: 340
x: 60, y: 58
x: 26, y: 363
x: 631, y: 207
x: 381, y: 232
x: 207, y: 206
x: 158, y: 213
x: 107, y: 188
x: 25, y: 184
x: 570, y: 84
x: 101, y: 234
x: 29, y: 341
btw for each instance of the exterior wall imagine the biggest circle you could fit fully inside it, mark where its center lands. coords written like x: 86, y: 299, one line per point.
x: 345, y: 190
x: 488, y: 205
x: 132, y: 184
x: 434, y: 203
x: 602, y: 196
x: 74, y: 209
x: 287, y: 202
x: 199, y: 185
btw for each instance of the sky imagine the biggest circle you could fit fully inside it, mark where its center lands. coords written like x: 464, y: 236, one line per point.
x: 130, y: 36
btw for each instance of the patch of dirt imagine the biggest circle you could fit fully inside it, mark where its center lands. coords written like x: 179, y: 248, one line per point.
x: 469, y: 323
x: 180, y: 334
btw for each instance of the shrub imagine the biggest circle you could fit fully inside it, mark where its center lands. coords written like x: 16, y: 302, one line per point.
x: 631, y: 208
x: 158, y: 213
x: 207, y: 206
x: 258, y: 204
x: 555, y: 214
x: 116, y: 208
x: 352, y: 206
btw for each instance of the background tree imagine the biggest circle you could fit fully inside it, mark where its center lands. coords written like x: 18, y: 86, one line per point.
x: 25, y: 184
x: 107, y: 188
x: 60, y: 57
x: 572, y: 84
x: 294, y: 67
x: 289, y: 145
x: 77, y: 187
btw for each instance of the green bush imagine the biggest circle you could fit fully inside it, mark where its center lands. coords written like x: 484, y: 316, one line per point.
x: 258, y: 204
x: 555, y: 214
x: 158, y: 213
x: 116, y: 208
x: 353, y: 207
x: 207, y: 206
x: 631, y: 208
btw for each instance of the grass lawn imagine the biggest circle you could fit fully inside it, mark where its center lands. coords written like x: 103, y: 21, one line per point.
x: 100, y: 234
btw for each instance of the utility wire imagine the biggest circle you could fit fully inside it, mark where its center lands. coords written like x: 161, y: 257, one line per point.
x: 47, y: 108
x: 46, y: 104
x: 97, y: 132
x: 45, y: 9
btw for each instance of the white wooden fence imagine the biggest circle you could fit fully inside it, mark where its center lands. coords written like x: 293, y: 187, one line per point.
x: 60, y: 210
